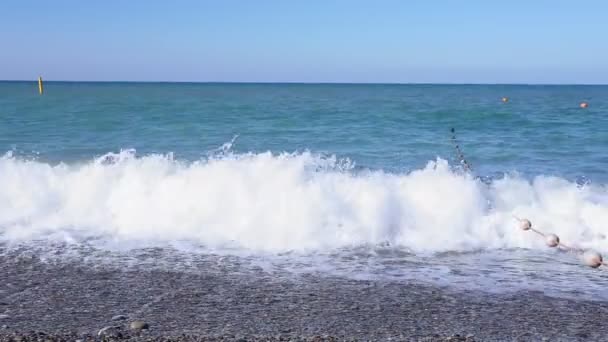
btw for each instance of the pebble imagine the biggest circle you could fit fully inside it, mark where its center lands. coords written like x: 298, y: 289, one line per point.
x: 110, y: 331
x: 139, y: 325
x: 119, y: 318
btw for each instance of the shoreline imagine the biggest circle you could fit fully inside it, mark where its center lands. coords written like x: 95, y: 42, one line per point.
x: 70, y: 299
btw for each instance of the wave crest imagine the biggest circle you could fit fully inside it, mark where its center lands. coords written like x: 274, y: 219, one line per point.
x: 280, y: 202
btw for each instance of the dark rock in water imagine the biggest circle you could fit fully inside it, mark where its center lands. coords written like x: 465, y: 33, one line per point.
x: 110, y: 332
x: 119, y: 318
x: 139, y: 325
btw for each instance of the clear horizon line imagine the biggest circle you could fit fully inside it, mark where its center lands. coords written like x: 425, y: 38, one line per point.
x: 309, y: 82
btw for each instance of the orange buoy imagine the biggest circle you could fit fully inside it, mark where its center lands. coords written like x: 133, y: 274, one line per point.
x: 584, y: 104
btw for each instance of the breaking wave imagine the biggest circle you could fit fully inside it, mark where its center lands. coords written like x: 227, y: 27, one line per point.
x: 288, y: 202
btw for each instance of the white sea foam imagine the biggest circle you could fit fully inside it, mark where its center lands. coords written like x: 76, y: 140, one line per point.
x: 272, y: 203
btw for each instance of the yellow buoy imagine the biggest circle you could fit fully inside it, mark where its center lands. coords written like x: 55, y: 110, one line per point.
x: 40, y: 86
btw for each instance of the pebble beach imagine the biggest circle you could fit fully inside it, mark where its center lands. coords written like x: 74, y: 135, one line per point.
x: 41, y: 301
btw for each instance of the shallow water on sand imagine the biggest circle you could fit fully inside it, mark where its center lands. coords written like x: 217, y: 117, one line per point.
x: 556, y: 274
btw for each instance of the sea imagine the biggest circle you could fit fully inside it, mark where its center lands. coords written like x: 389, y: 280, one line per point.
x: 363, y: 181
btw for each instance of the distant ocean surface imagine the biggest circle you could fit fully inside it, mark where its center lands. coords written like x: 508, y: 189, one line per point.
x: 355, y: 180
x: 396, y: 128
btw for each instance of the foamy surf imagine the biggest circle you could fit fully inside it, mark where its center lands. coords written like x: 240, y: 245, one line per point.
x: 302, y: 202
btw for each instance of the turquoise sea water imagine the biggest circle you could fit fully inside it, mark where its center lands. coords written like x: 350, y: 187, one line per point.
x: 355, y: 180
x: 541, y: 130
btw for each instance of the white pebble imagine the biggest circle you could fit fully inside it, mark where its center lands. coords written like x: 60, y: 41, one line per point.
x: 139, y: 325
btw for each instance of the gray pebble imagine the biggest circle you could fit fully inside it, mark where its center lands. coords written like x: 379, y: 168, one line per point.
x: 139, y: 325
x: 119, y: 318
x: 110, y: 331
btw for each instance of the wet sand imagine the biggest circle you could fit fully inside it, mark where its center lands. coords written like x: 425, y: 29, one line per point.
x: 75, y: 301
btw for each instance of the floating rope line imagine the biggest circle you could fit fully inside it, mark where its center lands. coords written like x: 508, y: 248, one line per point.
x: 590, y: 258
x: 463, y: 161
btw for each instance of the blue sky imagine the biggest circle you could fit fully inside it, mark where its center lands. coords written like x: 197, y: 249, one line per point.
x: 474, y: 41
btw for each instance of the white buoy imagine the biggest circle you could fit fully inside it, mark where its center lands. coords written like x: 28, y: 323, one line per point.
x: 525, y: 224
x: 552, y: 240
x: 592, y: 259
